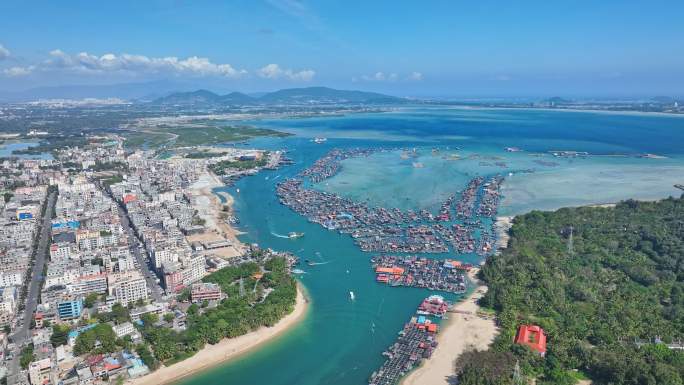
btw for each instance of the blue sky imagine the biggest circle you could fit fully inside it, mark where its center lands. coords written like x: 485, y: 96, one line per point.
x: 441, y: 48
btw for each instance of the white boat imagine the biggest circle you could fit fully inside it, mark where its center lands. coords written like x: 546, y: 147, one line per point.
x: 293, y: 235
x: 351, y: 295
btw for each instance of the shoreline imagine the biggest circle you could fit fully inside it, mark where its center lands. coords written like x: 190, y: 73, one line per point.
x: 210, y: 209
x: 463, y: 331
x: 570, y: 109
x: 502, y: 225
x: 229, y: 348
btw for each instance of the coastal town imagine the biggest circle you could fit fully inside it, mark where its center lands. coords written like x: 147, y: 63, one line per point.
x: 111, y: 251
x: 102, y: 246
x: 298, y: 192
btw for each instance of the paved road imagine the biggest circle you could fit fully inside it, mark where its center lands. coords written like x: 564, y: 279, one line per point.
x: 21, y: 335
x: 156, y: 291
x: 134, y: 242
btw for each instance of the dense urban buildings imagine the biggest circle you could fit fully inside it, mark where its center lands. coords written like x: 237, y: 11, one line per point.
x: 123, y: 240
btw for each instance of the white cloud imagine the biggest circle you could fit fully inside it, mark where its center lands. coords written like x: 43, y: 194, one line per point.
x: 378, y: 76
x: 136, y: 64
x: 89, y: 64
x: 18, y: 71
x: 4, y: 52
x: 273, y: 71
x: 386, y: 77
x: 415, y: 76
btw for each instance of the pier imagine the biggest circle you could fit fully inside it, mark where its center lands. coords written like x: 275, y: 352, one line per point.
x: 415, y: 343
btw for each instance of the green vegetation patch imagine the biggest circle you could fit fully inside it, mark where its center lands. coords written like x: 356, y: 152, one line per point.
x: 204, y: 155
x: 195, y: 134
x: 221, y: 167
x: 597, y: 280
x: 234, y: 316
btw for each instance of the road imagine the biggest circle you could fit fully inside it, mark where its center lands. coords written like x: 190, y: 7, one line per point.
x: 134, y: 243
x: 20, y: 336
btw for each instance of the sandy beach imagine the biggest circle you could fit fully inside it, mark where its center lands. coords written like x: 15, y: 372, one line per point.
x: 210, y: 208
x: 225, y: 350
x: 501, y: 227
x: 464, y: 330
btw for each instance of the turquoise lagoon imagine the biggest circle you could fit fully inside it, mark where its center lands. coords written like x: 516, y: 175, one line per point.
x: 8, y: 148
x: 340, y: 341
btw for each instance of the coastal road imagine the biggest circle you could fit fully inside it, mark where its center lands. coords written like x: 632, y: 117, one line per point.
x: 21, y: 335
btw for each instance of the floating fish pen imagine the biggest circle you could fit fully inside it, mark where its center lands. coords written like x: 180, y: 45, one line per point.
x: 391, y: 230
x: 416, y: 342
x: 410, y: 271
x: 329, y: 164
x: 489, y: 202
x: 466, y: 205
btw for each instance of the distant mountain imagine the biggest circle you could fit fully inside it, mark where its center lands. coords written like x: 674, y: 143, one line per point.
x: 325, y: 94
x: 308, y: 95
x: 557, y: 100
x: 664, y: 99
x: 129, y: 91
x: 237, y: 98
x: 190, y: 98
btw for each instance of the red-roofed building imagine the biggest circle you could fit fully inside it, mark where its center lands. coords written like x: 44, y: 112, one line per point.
x: 94, y: 359
x: 532, y: 336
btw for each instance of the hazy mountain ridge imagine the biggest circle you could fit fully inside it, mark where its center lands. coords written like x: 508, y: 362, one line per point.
x: 306, y: 95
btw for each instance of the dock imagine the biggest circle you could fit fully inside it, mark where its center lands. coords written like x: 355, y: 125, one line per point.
x: 416, y: 342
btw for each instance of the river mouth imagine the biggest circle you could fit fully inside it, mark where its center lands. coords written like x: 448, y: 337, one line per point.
x: 341, y: 341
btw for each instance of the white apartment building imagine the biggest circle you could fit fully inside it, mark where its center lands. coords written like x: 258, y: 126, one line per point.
x: 84, y: 285
x: 162, y: 256
x: 127, y: 287
x: 193, y: 269
x: 123, y: 329
x: 11, y: 278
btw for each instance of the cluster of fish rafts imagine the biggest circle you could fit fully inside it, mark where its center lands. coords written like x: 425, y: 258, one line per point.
x: 380, y: 229
x: 427, y: 273
x: 416, y: 341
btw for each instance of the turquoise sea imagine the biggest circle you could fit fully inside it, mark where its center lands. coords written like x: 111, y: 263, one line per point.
x: 341, y: 341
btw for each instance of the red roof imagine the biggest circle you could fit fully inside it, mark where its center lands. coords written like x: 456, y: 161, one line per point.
x: 92, y: 360
x: 109, y: 366
x: 532, y: 336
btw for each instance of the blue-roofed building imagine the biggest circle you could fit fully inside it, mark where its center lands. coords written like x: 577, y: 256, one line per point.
x: 70, y: 309
x: 137, y: 368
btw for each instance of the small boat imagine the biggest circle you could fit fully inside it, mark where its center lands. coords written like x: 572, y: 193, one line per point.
x: 293, y: 235
x: 351, y: 295
x: 298, y: 271
x: 310, y: 263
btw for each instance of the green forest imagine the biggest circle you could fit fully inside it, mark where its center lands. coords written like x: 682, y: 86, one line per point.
x: 234, y: 316
x: 607, y: 286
